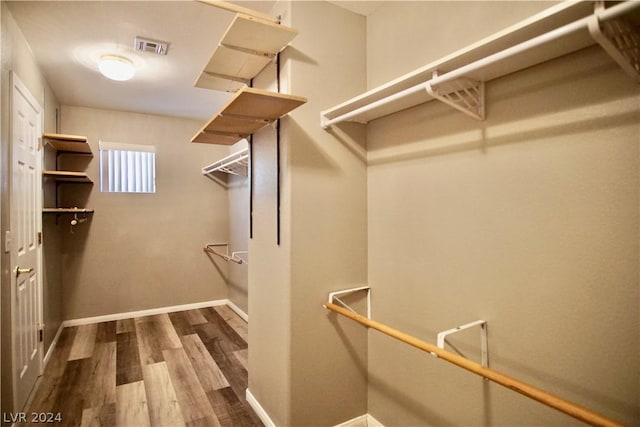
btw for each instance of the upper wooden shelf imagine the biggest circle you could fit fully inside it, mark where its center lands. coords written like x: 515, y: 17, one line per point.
x: 482, y: 61
x: 248, y: 45
x: 249, y: 110
x: 68, y: 143
x: 67, y: 176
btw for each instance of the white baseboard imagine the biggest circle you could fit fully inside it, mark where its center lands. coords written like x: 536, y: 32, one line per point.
x: 149, y: 312
x: 53, y: 345
x: 238, y: 311
x: 372, y: 422
x: 262, y: 414
x: 361, y: 421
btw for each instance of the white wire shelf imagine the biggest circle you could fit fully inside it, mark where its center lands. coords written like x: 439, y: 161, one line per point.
x: 234, y: 164
x: 457, y: 78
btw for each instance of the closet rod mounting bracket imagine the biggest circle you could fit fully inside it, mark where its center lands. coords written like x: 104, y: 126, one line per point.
x: 619, y: 39
x: 484, y: 344
x: 334, y: 297
x: 463, y: 94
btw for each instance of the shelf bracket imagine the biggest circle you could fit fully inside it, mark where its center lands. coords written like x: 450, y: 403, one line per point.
x: 619, y: 39
x: 333, y: 298
x: 484, y: 347
x: 463, y: 94
x: 233, y: 257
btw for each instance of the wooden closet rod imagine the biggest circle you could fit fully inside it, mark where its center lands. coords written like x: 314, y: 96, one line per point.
x: 530, y: 391
x: 221, y: 255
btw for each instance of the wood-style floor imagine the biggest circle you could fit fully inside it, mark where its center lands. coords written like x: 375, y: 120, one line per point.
x: 179, y: 369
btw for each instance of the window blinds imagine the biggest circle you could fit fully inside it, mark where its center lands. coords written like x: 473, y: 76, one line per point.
x: 127, y: 168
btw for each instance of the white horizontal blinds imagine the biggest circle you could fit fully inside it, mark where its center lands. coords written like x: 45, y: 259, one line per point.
x: 127, y: 168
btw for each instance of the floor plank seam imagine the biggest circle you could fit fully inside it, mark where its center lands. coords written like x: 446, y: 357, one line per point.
x: 181, y: 368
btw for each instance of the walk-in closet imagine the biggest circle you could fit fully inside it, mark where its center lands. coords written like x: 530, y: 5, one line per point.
x: 320, y: 213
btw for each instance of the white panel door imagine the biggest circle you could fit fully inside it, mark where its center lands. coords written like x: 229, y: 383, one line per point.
x: 25, y: 252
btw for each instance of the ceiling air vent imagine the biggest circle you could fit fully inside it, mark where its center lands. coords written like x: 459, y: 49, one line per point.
x: 152, y: 46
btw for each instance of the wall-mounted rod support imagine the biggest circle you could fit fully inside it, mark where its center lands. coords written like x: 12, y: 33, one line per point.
x: 569, y: 408
x: 333, y: 296
x: 484, y: 344
x: 233, y: 257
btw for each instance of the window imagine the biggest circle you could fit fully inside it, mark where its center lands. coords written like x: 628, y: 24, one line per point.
x: 127, y: 168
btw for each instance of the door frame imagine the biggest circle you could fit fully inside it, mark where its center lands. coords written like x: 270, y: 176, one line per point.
x: 16, y: 84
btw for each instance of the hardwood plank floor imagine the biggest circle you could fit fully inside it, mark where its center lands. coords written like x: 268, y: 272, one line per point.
x: 178, y: 369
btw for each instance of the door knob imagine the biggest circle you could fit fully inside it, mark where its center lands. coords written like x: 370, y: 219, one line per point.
x: 20, y: 271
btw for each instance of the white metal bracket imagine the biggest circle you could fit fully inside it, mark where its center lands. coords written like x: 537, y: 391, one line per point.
x: 484, y: 347
x: 233, y: 257
x: 333, y: 297
x: 463, y: 94
x: 620, y: 39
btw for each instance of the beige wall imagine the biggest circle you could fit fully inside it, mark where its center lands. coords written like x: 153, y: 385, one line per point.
x: 528, y: 220
x: 302, y: 367
x: 142, y: 251
x: 405, y: 35
x: 238, y: 195
x: 269, y: 269
x: 16, y: 56
x: 327, y: 179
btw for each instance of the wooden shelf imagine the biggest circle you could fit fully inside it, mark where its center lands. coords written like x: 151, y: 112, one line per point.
x: 248, y: 45
x: 67, y: 176
x: 68, y: 143
x: 66, y: 210
x: 248, y: 111
x: 400, y: 94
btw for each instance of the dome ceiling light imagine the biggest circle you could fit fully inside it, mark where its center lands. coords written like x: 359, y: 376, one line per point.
x: 116, y: 67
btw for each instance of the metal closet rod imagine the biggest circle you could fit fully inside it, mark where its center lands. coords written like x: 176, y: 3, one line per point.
x: 569, y: 408
x: 580, y: 24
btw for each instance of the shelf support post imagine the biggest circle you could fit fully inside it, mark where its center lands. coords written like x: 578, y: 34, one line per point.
x: 463, y: 94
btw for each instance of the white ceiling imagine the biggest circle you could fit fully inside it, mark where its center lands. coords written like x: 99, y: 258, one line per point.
x: 361, y: 7
x: 67, y: 38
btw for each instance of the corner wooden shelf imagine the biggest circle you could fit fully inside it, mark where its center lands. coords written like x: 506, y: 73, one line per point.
x: 72, y: 145
x: 249, y: 110
x: 67, y: 176
x: 68, y: 143
x: 247, y: 47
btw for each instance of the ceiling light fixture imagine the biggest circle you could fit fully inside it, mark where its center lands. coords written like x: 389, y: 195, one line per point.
x: 116, y: 67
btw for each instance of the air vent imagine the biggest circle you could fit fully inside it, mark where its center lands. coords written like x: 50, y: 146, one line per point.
x: 152, y: 46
